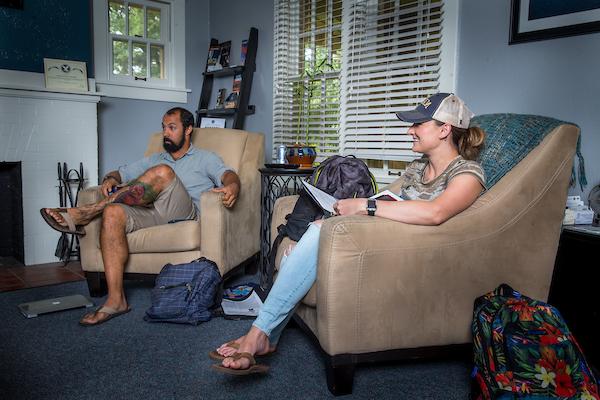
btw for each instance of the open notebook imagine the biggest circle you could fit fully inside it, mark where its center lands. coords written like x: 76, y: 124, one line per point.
x: 326, y: 201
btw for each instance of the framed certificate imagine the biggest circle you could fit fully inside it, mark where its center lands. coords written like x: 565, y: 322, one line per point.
x: 65, y: 75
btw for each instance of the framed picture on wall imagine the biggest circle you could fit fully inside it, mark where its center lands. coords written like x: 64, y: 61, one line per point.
x: 532, y: 20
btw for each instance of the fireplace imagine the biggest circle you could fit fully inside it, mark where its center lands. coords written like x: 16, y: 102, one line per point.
x: 12, y: 251
x: 40, y: 128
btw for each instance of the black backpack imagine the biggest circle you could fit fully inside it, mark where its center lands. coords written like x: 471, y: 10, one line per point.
x: 342, y: 177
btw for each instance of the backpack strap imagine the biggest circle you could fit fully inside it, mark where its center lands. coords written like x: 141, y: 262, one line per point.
x: 281, y: 229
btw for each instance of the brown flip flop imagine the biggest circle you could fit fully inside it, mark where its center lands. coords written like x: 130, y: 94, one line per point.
x: 253, y: 368
x: 112, y: 313
x: 54, y: 224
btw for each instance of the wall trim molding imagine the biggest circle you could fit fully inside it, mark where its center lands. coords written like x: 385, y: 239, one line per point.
x: 32, y: 85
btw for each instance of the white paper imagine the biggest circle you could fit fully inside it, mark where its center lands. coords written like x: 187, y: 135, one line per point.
x: 250, y: 306
x: 212, y: 123
x: 387, y: 193
x: 325, y: 200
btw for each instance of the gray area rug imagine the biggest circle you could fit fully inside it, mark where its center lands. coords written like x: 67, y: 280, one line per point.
x: 52, y: 357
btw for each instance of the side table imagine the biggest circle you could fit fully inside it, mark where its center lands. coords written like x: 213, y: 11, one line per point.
x: 574, y: 288
x: 274, y: 183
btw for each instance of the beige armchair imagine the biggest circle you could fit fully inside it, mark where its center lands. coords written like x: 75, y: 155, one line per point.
x: 387, y: 290
x: 229, y: 237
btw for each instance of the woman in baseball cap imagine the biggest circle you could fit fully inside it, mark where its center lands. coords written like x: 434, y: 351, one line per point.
x: 436, y: 187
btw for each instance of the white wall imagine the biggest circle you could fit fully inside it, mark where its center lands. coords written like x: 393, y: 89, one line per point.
x: 557, y: 78
x: 40, y: 129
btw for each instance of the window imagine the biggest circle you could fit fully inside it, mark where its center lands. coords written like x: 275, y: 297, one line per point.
x: 139, y: 49
x: 383, y: 56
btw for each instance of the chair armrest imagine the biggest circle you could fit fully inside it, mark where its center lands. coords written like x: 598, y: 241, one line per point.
x: 229, y: 236
x: 88, y: 244
x: 89, y: 195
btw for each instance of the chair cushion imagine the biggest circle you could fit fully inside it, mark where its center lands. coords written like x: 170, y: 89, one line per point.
x: 509, y: 138
x: 169, y: 238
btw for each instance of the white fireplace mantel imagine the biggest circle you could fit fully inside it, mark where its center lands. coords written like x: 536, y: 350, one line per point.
x: 41, y: 128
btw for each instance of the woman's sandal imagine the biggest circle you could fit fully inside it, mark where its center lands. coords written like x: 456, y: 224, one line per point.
x: 253, y: 368
x: 214, y: 355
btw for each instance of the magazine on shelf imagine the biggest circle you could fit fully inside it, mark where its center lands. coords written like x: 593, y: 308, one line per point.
x: 212, y: 63
x: 225, y: 53
x: 326, y: 201
x: 244, y: 51
x: 232, y: 99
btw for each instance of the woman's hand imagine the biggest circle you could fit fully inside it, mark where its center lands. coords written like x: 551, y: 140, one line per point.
x: 351, y: 207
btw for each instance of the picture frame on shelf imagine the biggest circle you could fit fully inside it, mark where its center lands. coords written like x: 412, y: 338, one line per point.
x: 65, y: 75
x: 533, y: 20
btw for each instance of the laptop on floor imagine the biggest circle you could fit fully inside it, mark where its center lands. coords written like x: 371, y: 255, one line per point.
x: 35, y: 308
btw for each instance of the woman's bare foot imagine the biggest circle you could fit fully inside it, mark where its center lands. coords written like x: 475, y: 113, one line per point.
x: 227, y: 350
x: 255, y: 342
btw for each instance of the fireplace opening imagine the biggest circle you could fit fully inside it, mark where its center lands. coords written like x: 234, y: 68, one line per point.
x: 12, y: 250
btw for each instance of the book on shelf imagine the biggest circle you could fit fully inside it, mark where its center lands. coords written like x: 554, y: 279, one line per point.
x: 225, y: 53
x: 212, y: 63
x: 233, y: 98
x: 244, y: 51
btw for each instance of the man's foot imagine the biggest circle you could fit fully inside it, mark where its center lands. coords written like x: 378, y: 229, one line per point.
x: 103, y: 314
x: 255, y: 342
x: 78, y: 215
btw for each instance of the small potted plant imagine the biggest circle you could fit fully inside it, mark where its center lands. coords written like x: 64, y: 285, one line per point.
x: 304, y: 153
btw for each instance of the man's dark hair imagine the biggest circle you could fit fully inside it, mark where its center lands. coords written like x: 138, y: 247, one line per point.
x: 186, y: 117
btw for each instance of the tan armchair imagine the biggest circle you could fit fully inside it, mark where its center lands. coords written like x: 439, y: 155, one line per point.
x: 230, y: 237
x: 387, y: 290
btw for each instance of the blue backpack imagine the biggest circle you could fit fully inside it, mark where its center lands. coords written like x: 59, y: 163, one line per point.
x: 185, y: 293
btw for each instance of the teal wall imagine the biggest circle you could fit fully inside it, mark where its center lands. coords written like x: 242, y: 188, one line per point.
x: 45, y: 29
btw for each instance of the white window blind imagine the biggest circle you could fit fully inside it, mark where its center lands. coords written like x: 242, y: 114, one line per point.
x: 382, y: 56
x: 308, y: 35
x: 392, y: 61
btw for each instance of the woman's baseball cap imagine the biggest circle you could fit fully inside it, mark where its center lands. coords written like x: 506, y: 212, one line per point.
x: 443, y: 107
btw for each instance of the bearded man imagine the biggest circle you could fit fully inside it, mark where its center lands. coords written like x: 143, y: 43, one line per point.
x: 162, y: 188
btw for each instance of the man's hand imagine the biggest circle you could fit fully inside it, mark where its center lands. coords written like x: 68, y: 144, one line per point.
x: 230, y: 189
x: 230, y: 193
x: 107, y: 184
x: 350, y: 207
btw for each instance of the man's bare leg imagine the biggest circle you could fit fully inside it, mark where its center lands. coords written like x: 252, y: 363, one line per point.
x: 113, y: 240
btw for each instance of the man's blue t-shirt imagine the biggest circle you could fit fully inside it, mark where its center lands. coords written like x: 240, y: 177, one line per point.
x: 199, y: 170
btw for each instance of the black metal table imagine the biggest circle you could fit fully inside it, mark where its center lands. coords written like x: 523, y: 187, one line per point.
x: 275, y: 183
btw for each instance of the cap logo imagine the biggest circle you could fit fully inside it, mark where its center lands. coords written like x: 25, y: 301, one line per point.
x: 426, y: 103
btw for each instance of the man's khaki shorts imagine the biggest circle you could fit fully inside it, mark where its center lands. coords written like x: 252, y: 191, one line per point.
x: 172, y: 204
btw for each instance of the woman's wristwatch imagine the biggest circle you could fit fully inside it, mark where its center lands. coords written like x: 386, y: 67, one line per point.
x: 371, y: 207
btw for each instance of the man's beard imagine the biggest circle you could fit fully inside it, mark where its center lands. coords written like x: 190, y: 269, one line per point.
x: 171, y: 147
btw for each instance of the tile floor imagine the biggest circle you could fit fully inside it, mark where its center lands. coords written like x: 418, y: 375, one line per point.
x: 14, y: 278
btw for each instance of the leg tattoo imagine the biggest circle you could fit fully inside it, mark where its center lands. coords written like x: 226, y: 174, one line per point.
x: 137, y: 194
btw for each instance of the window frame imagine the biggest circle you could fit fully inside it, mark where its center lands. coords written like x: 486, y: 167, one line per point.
x: 171, y: 89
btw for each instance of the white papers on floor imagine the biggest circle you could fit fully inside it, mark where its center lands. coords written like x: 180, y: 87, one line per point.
x: 250, y: 306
